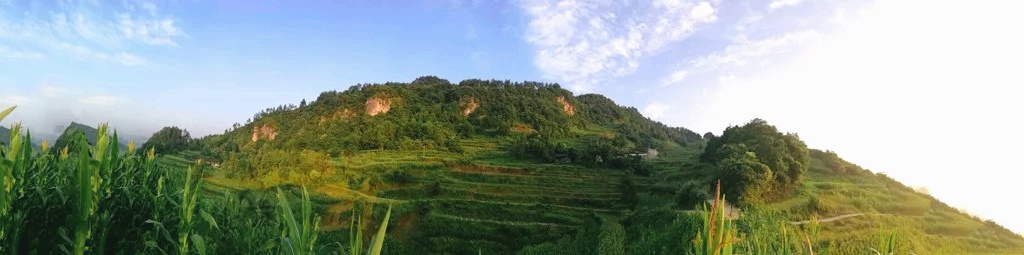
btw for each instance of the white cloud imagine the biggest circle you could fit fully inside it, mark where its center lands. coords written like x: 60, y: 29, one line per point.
x: 745, y: 54
x: 586, y: 43
x: 47, y: 109
x: 872, y: 84
x: 783, y: 3
x: 9, y: 100
x: 82, y: 53
x: 153, y: 31
x: 94, y: 31
x: 20, y: 55
x: 676, y: 77
x: 128, y: 59
x: 100, y: 100
x: 655, y: 110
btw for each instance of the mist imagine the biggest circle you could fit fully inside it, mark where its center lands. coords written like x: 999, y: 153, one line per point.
x: 48, y: 110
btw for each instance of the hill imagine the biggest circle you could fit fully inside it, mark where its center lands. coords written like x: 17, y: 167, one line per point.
x: 89, y: 132
x: 5, y: 135
x: 505, y: 167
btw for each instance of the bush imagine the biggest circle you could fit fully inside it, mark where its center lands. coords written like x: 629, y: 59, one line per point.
x: 691, y: 194
x: 399, y: 177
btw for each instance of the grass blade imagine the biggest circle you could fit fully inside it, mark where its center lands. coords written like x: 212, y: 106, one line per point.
x: 378, y: 240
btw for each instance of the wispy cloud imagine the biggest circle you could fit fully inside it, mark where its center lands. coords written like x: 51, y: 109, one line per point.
x: 153, y: 31
x: 655, y: 110
x: 90, y: 31
x: 128, y: 59
x: 18, y: 54
x: 585, y: 43
x: 745, y: 53
x: 676, y: 77
x: 776, y: 4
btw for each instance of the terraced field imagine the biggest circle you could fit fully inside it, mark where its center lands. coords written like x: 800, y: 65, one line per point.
x: 457, y: 203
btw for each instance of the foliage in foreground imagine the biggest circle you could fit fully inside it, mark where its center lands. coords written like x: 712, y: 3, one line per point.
x: 99, y: 199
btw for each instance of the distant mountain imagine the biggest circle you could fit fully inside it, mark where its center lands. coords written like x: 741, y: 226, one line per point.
x: 5, y: 135
x: 89, y: 132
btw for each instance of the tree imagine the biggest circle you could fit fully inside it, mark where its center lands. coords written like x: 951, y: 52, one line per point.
x: 303, y: 103
x: 757, y: 161
x: 169, y: 140
x: 709, y: 136
x: 691, y: 194
x: 745, y: 177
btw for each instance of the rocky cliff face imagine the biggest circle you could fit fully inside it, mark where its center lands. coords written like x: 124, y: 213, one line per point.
x: 377, y: 105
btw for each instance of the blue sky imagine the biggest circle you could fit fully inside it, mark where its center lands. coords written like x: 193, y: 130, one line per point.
x: 909, y: 88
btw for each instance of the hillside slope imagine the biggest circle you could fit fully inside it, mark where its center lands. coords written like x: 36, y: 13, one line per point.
x: 5, y: 135
x: 504, y: 168
x: 89, y: 132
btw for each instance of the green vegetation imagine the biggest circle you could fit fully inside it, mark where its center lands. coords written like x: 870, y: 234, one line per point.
x: 757, y: 162
x: 478, y: 167
x: 98, y: 199
x: 170, y: 140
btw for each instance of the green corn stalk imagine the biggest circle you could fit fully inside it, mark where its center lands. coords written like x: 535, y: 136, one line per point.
x: 886, y: 243
x: 14, y: 160
x: 189, y: 201
x: 87, y: 182
x: 810, y: 234
x: 298, y: 237
x: 717, y: 235
x: 378, y: 240
x: 355, y: 239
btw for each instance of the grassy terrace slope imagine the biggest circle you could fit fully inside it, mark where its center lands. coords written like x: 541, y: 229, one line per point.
x: 870, y: 202
x: 527, y: 168
x: 459, y: 203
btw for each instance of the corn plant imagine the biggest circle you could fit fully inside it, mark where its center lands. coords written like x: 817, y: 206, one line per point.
x: 298, y: 237
x: 886, y: 243
x: 187, y: 223
x: 87, y: 182
x: 810, y: 235
x: 378, y: 240
x: 13, y: 161
x: 188, y: 236
x: 356, y: 235
x: 717, y: 235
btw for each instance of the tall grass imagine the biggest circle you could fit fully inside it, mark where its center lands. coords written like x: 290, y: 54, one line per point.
x: 356, y: 235
x: 298, y: 237
x: 886, y: 243
x: 718, y: 234
x: 13, y: 162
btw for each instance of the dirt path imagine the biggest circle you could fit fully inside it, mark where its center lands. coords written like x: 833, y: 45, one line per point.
x: 831, y: 219
x: 345, y: 193
x: 511, y: 223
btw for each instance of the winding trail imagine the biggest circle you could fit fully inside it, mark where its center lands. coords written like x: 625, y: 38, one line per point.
x: 831, y: 219
x: 512, y: 223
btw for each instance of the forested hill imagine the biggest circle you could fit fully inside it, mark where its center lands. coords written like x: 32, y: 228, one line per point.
x: 542, y: 119
x: 90, y: 136
x: 5, y: 135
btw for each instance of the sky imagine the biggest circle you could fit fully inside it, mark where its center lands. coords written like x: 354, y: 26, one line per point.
x: 926, y: 92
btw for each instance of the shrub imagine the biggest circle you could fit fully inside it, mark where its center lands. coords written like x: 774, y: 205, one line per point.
x: 691, y: 194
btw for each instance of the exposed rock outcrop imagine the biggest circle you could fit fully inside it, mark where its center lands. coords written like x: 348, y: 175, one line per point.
x: 263, y: 132
x: 469, y: 105
x: 377, y: 105
x: 569, y: 109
